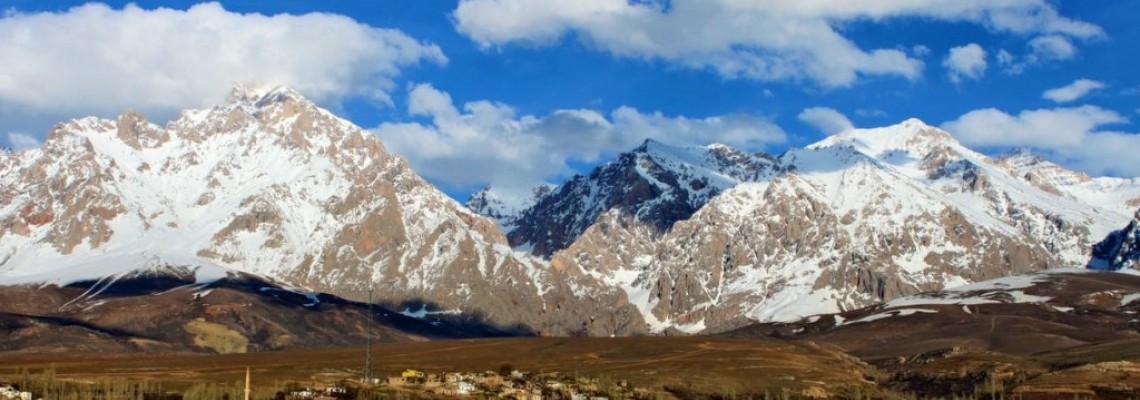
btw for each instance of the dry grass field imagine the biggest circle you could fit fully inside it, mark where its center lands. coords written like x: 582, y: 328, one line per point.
x: 698, y: 365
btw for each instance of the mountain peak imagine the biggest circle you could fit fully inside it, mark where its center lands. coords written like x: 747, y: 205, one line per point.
x: 648, y: 145
x: 914, y: 123
x: 505, y: 205
x: 260, y: 95
x: 912, y: 136
x: 1023, y: 157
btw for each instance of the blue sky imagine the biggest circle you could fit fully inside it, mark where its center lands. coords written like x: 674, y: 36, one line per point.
x: 516, y: 92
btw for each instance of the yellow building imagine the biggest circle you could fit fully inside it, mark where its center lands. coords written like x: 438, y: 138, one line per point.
x: 411, y: 374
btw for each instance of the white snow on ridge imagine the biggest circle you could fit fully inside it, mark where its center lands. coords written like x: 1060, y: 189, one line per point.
x: 423, y: 313
x: 985, y: 292
x: 1007, y: 283
x: 102, y: 265
x: 888, y: 314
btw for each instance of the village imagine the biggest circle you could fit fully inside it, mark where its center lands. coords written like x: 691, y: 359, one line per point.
x: 506, y: 383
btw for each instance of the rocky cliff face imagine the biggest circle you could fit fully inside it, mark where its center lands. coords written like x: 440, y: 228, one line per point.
x: 266, y: 183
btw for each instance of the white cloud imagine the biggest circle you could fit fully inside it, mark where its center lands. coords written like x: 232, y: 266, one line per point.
x: 967, y: 61
x: 484, y: 142
x: 828, y: 120
x: 94, y: 59
x: 22, y: 141
x: 750, y: 39
x: 1052, y: 47
x: 870, y: 113
x: 1071, y: 136
x: 1004, y: 57
x: 920, y: 50
x: 1111, y: 153
x: 1010, y: 63
x: 1073, y: 91
x: 1047, y: 128
x: 1041, y: 50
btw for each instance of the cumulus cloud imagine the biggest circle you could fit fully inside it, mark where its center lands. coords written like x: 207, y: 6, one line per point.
x: 828, y: 120
x: 1073, y: 136
x: 22, y: 141
x: 482, y: 142
x: 94, y: 59
x: 1073, y: 91
x: 750, y: 39
x: 967, y: 61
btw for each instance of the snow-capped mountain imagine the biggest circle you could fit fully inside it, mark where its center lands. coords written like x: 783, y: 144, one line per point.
x: 692, y: 239
x: 858, y: 218
x: 654, y: 183
x: 269, y: 184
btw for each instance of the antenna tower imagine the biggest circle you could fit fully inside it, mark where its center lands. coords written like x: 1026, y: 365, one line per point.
x: 368, y: 378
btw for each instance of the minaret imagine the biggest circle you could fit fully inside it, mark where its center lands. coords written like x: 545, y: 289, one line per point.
x: 246, y: 383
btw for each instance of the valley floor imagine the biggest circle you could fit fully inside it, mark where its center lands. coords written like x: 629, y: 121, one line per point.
x: 666, y: 367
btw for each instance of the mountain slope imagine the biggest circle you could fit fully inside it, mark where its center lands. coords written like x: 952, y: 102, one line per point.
x: 165, y: 309
x: 1053, y: 334
x: 1020, y: 314
x: 1120, y: 249
x: 269, y: 184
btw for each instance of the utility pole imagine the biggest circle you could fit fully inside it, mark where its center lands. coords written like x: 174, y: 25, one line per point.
x: 368, y: 378
x: 246, y: 383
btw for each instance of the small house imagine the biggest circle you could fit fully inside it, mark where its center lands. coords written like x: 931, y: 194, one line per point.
x: 464, y: 388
